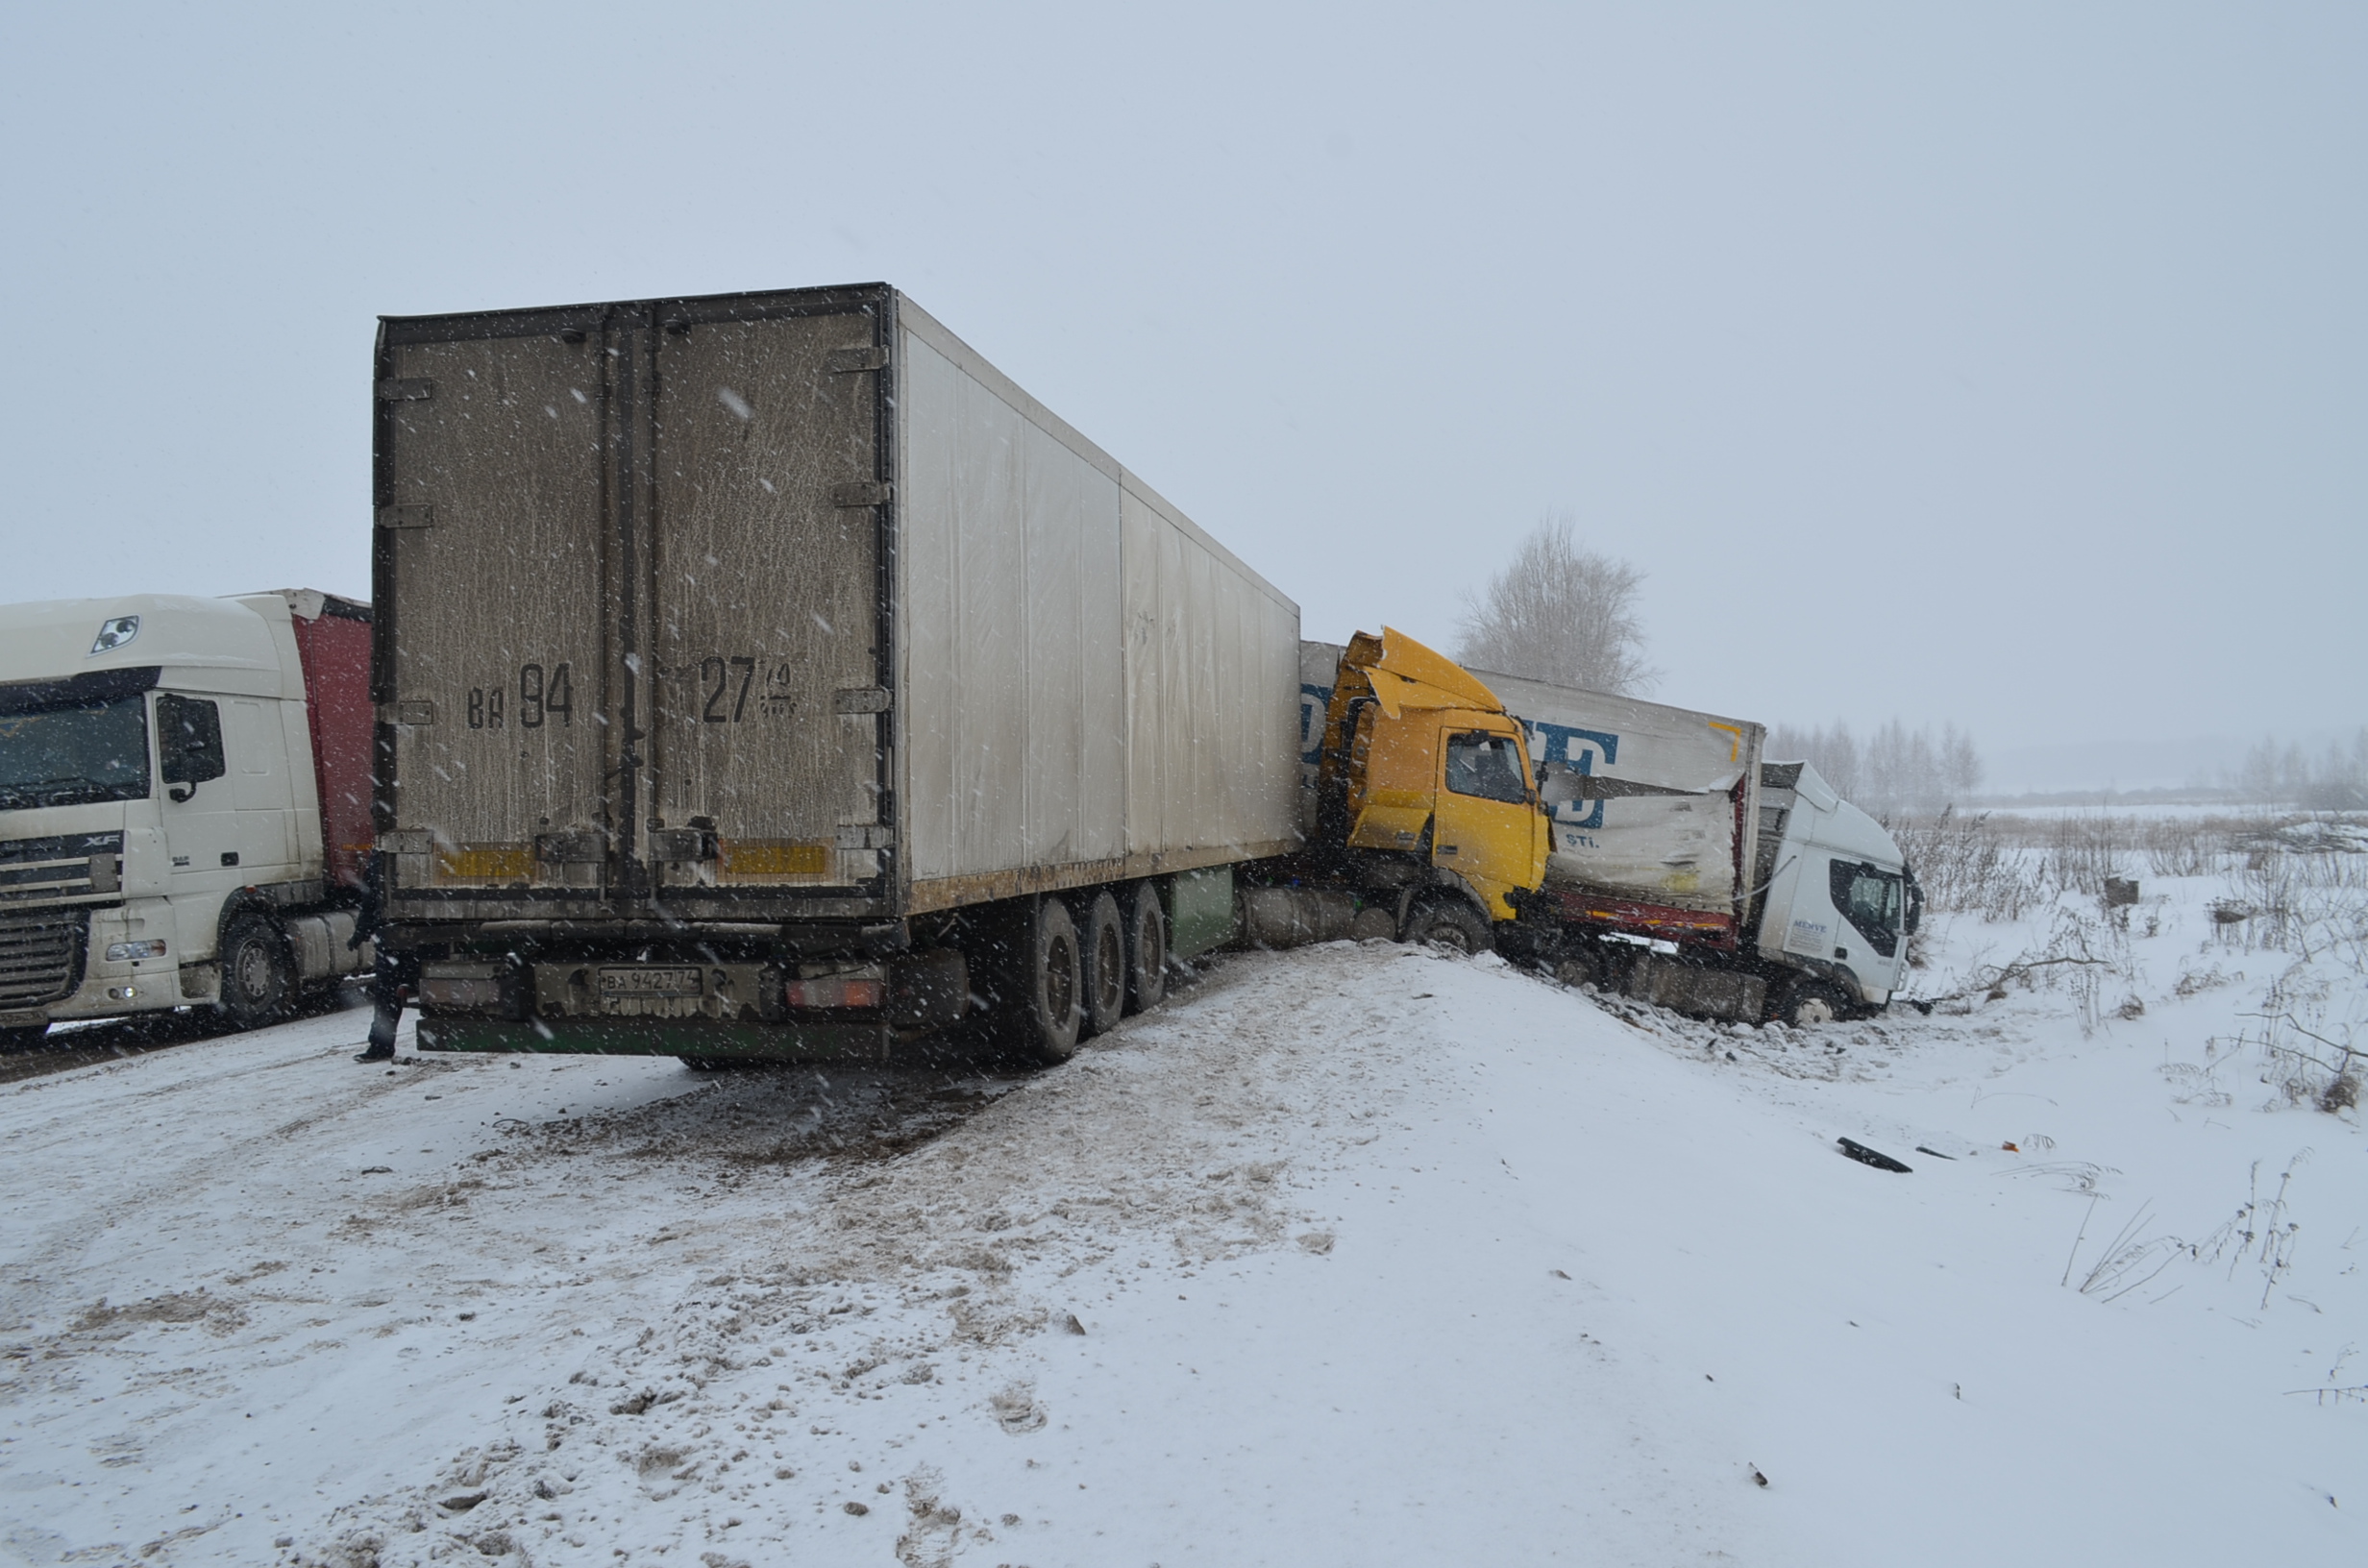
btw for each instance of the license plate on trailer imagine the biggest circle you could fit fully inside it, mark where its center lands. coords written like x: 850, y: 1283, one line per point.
x: 648, y: 982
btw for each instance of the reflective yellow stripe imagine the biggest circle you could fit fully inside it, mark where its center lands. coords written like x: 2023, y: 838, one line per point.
x: 772, y: 857
x: 485, y: 863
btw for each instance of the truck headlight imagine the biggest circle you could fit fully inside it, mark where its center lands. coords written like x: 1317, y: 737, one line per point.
x: 124, y: 952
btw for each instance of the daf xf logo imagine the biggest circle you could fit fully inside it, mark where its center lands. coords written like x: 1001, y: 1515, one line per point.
x: 115, y: 634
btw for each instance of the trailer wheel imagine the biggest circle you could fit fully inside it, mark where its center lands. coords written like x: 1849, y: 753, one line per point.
x: 1582, y: 966
x: 1452, y: 924
x: 1147, y: 949
x: 1054, y: 1010
x: 257, y: 980
x: 1812, y: 1002
x: 1105, y: 964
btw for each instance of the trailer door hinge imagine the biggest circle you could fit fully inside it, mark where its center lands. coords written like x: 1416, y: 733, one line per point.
x: 862, y: 699
x: 413, y: 515
x: 862, y: 492
x: 407, y: 389
x: 842, y: 360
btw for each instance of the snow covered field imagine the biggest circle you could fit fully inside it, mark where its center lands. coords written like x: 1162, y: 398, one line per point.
x: 1351, y: 1254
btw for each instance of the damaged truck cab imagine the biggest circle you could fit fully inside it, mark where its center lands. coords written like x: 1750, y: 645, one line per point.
x: 1833, y: 902
x: 1689, y: 871
x: 1426, y: 822
x: 1420, y: 760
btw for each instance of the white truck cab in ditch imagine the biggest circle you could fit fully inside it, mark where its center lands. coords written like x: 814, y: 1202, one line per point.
x: 1836, y: 899
x: 183, y: 805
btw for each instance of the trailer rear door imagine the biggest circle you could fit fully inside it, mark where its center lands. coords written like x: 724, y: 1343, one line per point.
x: 769, y: 626
x: 634, y: 631
x: 491, y: 558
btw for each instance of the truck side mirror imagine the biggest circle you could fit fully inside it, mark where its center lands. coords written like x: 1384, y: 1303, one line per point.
x: 189, y: 745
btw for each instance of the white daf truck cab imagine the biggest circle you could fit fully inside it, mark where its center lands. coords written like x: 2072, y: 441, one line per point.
x: 184, y: 804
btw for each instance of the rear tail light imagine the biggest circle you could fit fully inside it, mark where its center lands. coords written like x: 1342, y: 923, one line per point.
x: 834, y: 990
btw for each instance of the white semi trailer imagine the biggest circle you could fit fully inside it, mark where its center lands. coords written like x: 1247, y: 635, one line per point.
x: 767, y: 675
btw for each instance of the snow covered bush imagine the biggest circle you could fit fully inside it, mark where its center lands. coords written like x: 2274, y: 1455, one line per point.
x: 1965, y: 866
x: 2301, y: 889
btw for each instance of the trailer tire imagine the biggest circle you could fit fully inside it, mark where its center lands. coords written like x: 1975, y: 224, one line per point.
x: 258, y: 981
x: 1452, y: 924
x: 1053, y: 1008
x: 1809, y: 1002
x: 1104, y: 949
x: 1147, y: 949
x: 1581, y: 966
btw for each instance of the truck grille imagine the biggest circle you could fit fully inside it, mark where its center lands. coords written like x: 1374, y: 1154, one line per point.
x: 51, y: 871
x: 41, y: 956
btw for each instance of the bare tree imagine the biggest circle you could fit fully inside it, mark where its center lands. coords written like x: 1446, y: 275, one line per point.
x: 2336, y: 781
x: 1896, y: 770
x: 1961, y: 764
x: 1833, y: 752
x: 1561, y: 613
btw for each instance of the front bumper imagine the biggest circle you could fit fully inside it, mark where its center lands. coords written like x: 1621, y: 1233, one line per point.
x: 54, y: 966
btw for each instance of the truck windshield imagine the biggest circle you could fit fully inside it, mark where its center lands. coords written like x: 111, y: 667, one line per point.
x: 1872, y: 900
x: 69, y: 756
x: 1487, y: 765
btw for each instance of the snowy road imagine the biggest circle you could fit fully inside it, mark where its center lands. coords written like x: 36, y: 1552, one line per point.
x: 1377, y: 1257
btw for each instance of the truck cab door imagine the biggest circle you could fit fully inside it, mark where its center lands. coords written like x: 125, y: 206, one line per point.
x: 1872, y: 902
x: 200, y: 815
x: 1487, y: 828
x: 1393, y: 779
x: 261, y: 788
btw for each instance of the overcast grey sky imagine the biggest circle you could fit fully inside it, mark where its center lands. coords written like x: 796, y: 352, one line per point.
x: 1993, y: 364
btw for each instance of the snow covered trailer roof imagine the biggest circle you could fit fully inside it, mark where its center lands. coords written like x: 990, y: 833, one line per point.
x: 789, y: 606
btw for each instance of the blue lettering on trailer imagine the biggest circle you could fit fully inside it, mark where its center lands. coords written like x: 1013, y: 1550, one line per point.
x: 1311, y: 722
x: 1550, y: 743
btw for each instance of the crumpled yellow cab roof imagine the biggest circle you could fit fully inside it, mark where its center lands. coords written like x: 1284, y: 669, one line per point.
x: 1406, y: 674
